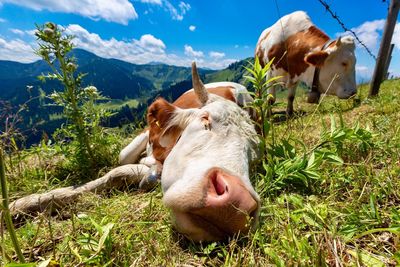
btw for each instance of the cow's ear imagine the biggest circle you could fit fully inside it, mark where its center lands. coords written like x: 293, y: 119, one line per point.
x: 316, y: 58
x: 159, y: 116
x: 159, y: 113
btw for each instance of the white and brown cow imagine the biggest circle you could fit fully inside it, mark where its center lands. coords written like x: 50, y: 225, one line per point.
x: 205, y: 143
x: 298, y: 49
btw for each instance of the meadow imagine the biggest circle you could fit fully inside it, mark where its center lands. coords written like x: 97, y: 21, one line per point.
x: 329, y: 184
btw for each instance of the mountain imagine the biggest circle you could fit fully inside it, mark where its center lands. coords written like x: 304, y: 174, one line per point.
x: 234, y: 72
x: 116, y: 79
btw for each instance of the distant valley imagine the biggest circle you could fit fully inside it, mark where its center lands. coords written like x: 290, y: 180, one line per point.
x: 117, y: 80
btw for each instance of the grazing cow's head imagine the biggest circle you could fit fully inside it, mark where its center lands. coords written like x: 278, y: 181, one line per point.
x: 337, y: 63
x: 205, y: 177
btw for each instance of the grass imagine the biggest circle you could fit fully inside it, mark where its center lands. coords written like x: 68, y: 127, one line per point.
x: 349, y: 216
x: 111, y: 105
x: 116, y: 104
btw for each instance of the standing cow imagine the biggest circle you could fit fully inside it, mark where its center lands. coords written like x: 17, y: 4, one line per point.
x: 205, y: 143
x: 302, y: 52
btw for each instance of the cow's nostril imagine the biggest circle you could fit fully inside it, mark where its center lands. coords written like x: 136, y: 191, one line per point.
x: 219, y: 184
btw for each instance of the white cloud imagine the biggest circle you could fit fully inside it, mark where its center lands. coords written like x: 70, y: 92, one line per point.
x: 364, y: 73
x: 396, y: 35
x: 17, y: 50
x: 236, y: 46
x: 17, y: 32
x: 189, y: 51
x: 218, y: 64
x: 154, y: 2
x: 31, y: 32
x: 363, y: 69
x: 369, y: 33
x: 184, y: 7
x: 1, y: 19
x: 146, y: 49
x: 216, y: 55
x: 192, y: 28
x: 119, y: 11
x: 177, y: 13
x: 140, y: 51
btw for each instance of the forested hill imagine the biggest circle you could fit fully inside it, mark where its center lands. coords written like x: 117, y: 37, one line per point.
x: 116, y: 79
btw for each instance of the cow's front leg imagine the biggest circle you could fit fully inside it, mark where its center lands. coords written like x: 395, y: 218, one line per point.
x: 313, y: 97
x: 291, y: 96
x: 131, y: 153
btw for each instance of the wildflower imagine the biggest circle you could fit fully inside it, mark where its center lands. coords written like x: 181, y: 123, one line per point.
x: 71, y: 66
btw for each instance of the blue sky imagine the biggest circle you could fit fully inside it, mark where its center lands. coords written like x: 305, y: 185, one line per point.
x: 213, y: 32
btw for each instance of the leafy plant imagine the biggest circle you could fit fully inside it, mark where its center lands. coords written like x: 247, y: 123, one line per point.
x: 94, y: 248
x: 262, y: 100
x: 6, y: 211
x: 83, y: 127
x: 346, y: 140
x: 287, y: 166
x: 283, y: 163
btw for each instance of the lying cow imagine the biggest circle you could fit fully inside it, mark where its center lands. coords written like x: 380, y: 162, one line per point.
x: 302, y: 52
x: 204, y: 143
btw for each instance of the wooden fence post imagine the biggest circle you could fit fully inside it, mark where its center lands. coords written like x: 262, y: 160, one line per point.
x: 387, y: 64
x: 384, y: 47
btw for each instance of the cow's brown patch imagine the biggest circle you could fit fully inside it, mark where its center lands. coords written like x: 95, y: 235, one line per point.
x: 289, y: 55
x: 190, y: 100
x: 160, y: 112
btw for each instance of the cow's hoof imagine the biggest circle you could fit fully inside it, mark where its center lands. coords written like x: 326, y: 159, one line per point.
x: 289, y: 113
x: 313, y: 97
x: 150, y: 181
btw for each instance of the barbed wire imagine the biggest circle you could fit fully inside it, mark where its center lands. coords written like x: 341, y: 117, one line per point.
x: 336, y: 17
x: 387, y: 3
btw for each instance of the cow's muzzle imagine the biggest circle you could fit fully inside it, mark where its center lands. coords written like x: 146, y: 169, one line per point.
x: 229, y: 209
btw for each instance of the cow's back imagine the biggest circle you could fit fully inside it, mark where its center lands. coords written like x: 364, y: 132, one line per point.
x: 288, y: 41
x: 278, y: 33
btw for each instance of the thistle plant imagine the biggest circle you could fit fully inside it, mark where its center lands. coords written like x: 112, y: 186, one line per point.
x: 83, y: 117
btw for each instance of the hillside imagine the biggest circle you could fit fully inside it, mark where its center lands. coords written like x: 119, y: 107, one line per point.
x: 341, y: 212
x: 116, y: 79
x: 234, y: 72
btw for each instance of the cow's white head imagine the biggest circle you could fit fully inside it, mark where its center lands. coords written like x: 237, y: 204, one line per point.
x: 205, y: 177
x: 337, y: 64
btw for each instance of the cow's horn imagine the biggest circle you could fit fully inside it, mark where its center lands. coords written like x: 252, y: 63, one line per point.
x: 198, y: 86
x: 339, y: 41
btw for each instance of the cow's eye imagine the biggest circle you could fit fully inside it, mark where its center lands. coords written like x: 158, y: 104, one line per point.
x: 207, y: 125
x: 344, y: 64
x: 205, y: 119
